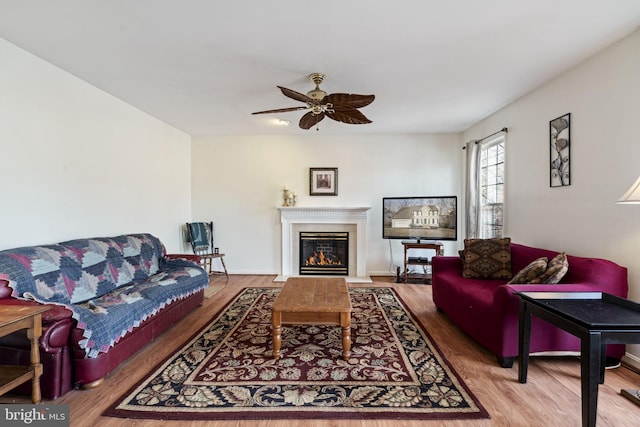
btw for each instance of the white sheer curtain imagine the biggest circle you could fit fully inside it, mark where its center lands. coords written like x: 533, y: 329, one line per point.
x: 472, y: 190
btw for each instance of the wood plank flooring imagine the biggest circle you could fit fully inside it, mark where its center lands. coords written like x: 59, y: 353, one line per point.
x: 551, y: 396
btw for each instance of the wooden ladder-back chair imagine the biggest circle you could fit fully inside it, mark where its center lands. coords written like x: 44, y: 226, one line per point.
x: 200, y: 235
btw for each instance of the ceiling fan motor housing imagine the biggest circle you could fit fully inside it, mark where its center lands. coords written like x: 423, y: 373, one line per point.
x: 316, y: 94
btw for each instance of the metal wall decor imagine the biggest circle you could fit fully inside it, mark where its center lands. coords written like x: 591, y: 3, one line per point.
x: 559, y: 153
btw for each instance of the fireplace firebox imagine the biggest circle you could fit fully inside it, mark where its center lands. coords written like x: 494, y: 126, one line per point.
x: 324, y: 253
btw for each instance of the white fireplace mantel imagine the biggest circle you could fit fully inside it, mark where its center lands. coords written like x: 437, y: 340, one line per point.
x: 292, y: 216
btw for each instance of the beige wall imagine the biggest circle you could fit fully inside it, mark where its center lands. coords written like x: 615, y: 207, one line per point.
x: 603, y: 96
x: 238, y: 182
x: 77, y: 162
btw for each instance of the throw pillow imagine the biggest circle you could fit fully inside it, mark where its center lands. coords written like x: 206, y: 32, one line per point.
x: 487, y: 258
x: 556, y: 269
x: 531, y: 272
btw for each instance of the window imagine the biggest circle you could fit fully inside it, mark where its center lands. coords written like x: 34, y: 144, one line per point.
x: 491, y: 188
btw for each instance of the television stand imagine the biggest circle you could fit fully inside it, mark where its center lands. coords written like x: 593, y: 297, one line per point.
x: 419, y: 260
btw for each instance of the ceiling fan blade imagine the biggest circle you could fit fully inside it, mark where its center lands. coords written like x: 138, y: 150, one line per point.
x: 281, y: 110
x: 309, y: 120
x: 350, y: 116
x: 295, y: 95
x: 349, y: 100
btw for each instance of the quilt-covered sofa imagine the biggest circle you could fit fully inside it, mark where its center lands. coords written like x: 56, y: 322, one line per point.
x: 487, y: 309
x: 109, y: 297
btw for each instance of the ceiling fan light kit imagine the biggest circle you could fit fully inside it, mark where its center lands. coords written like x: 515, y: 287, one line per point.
x: 341, y: 107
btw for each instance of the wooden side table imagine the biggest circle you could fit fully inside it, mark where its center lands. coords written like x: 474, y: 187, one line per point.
x: 412, y: 244
x: 14, y: 318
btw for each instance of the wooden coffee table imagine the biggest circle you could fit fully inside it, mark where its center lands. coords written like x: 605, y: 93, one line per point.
x: 312, y: 301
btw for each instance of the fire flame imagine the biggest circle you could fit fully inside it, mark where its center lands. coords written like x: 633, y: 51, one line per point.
x: 320, y: 259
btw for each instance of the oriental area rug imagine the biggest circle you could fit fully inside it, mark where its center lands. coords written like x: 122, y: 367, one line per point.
x: 226, y: 371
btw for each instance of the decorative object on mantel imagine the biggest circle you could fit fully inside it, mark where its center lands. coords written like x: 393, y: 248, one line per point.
x: 559, y: 153
x: 323, y: 181
x: 631, y: 197
x: 289, y: 197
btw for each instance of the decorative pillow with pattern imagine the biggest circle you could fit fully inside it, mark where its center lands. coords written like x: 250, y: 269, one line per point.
x: 531, y: 272
x: 487, y: 258
x: 556, y: 269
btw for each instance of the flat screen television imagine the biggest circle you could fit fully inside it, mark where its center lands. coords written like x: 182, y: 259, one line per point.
x: 420, y: 218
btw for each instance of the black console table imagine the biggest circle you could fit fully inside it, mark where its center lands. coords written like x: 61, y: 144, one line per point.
x: 596, y: 318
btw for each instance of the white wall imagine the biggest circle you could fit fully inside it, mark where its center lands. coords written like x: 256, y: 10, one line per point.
x: 603, y: 96
x: 238, y: 182
x: 77, y: 162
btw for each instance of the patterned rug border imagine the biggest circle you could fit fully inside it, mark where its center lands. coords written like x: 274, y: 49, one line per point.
x: 330, y: 413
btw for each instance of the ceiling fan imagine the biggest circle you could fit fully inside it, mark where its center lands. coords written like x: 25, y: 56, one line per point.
x: 341, y: 107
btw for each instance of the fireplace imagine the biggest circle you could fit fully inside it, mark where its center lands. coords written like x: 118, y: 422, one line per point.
x: 324, y: 253
x: 352, y: 220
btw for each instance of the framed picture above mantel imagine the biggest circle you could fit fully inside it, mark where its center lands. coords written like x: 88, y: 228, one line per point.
x: 323, y: 181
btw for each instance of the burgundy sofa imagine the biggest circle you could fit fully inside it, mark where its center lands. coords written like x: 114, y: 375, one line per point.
x: 143, y: 287
x: 487, y: 310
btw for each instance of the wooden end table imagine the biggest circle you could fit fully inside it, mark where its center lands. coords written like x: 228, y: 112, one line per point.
x: 412, y: 244
x: 14, y: 318
x: 312, y: 301
x: 597, y: 318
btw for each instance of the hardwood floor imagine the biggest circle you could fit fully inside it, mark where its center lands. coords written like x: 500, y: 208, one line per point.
x: 551, y: 396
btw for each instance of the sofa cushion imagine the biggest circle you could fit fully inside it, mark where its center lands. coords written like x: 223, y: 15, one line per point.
x: 531, y: 272
x: 487, y: 258
x: 556, y: 269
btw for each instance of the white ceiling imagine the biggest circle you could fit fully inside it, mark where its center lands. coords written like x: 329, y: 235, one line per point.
x: 204, y: 65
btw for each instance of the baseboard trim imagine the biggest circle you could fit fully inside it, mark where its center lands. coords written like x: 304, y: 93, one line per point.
x: 631, y: 361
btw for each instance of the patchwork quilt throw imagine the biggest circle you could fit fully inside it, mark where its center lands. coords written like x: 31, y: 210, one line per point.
x: 226, y: 370
x: 111, y: 284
